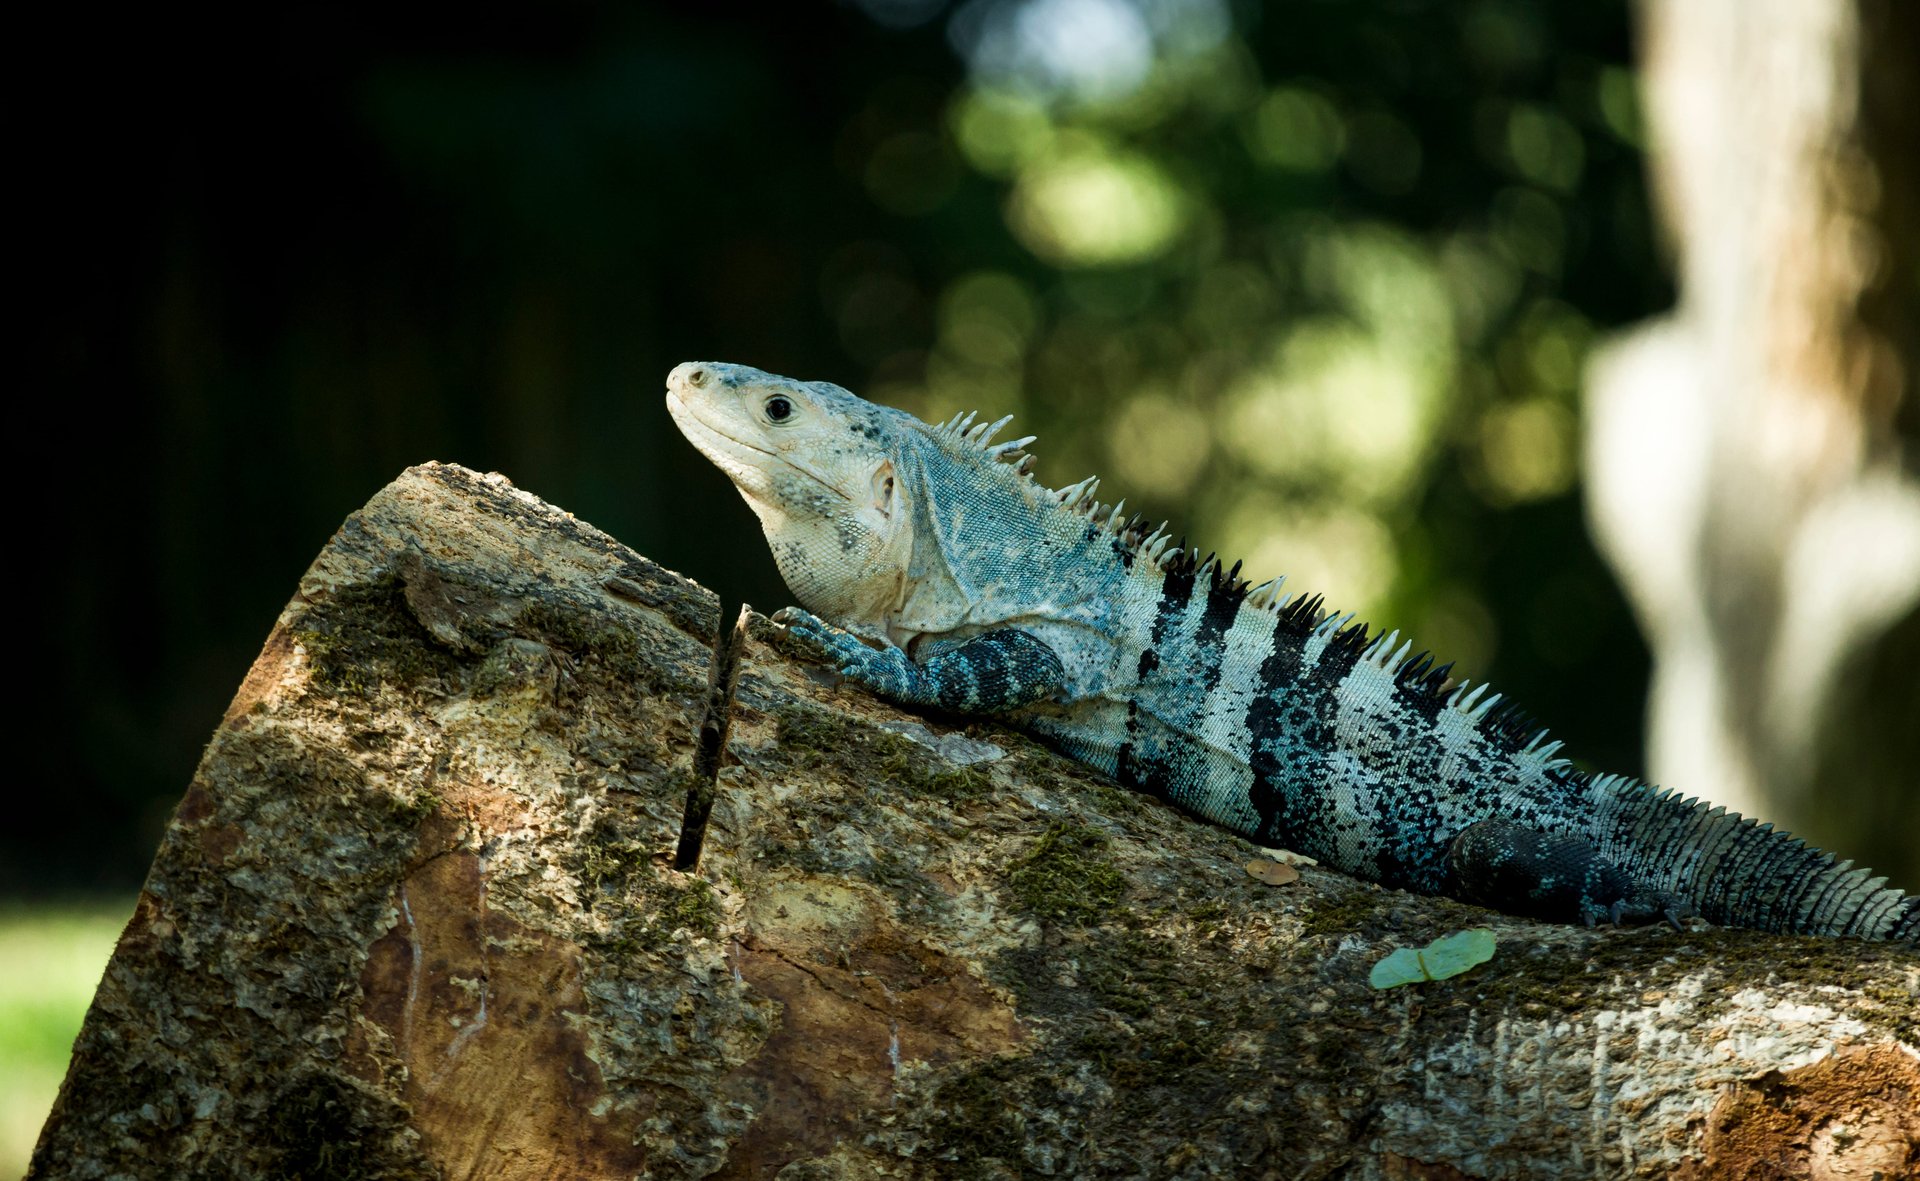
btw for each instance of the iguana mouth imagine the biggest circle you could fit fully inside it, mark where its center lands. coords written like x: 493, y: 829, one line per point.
x: 687, y: 416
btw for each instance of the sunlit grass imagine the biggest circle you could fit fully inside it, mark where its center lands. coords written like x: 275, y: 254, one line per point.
x: 51, y: 958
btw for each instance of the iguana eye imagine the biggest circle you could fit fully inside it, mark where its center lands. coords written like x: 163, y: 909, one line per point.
x: 779, y: 409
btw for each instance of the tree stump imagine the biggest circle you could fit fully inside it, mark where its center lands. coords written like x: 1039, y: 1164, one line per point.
x: 416, y: 916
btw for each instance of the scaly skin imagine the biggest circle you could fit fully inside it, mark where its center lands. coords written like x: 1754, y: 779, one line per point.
x: 935, y: 572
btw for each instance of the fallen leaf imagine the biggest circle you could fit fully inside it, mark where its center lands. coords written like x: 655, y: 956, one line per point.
x: 1273, y: 873
x: 1446, y: 956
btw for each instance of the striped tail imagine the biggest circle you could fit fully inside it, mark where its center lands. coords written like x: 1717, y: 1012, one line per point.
x: 1739, y: 873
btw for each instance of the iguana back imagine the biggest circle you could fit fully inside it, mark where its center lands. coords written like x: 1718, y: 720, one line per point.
x: 948, y: 577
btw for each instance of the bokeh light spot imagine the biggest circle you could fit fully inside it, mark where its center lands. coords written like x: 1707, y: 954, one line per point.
x: 999, y: 130
x: 1095, y: 204
x: 1084, y: 48
x: 1544, y: 147
x: 1530, y: 229
x: 1456, y: 626
x: 1526, y: 451
x: 987, y: 317
x: 1295, y: 130
x: 1158, y: 446
x: 1342, y: 552
x: 1089, y: 51
x: 1618, y: 94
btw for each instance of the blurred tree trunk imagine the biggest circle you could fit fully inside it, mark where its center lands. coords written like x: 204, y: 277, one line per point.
x: 1752, y: 457
x: 417, y: 917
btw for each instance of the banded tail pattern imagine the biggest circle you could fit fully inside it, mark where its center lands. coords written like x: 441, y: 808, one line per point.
x: 1741, y: 873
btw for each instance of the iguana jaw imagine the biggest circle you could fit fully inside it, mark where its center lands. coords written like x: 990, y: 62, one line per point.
x: 743, y: 462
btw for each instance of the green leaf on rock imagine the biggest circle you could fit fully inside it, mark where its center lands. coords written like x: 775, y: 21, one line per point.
x: 1446, y: 956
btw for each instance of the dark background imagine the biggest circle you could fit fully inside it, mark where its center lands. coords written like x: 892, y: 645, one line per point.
x: 276, y: 255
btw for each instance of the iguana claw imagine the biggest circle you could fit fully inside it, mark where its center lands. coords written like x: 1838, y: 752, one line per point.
x: 842, y: 648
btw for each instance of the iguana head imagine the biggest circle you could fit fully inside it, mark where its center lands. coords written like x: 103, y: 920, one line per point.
x: 812, y: 461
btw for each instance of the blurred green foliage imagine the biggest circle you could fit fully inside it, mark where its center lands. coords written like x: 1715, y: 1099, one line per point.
x: 1314, y: 279
x: 51, y: 958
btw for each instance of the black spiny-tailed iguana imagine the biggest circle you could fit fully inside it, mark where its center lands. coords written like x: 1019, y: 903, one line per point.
x: 935, y: 571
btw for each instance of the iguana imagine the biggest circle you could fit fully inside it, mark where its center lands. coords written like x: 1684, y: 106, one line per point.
x: 935, y: 571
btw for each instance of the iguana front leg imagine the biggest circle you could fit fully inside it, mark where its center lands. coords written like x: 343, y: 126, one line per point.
x: 994, y: 671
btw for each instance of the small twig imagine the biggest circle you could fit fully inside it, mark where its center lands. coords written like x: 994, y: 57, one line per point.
x: 711, y: 741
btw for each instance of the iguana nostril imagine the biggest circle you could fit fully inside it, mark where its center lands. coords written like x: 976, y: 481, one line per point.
x: 689, y: 375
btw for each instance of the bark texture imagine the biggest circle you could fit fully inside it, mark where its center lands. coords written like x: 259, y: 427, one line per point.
x: 416, y: 917
x: 1754, y: 457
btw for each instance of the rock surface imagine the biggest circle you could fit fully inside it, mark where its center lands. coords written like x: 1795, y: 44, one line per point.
x: 415, y: 917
